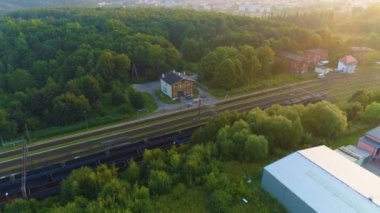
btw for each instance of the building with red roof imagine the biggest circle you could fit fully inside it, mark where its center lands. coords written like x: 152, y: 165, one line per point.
x: 314, y: 56
x: 295, y: 63
x: 360, y: 52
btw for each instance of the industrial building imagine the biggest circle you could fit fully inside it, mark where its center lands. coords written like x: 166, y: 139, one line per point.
x: 322, y: 180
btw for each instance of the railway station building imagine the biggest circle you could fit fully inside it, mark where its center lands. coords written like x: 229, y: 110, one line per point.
x: 175, y: 85
x: 322, y: 180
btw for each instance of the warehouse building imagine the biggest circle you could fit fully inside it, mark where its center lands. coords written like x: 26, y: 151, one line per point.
x: 321, y: 180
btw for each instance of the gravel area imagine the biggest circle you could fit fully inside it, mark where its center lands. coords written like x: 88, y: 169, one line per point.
x: 150, y: 88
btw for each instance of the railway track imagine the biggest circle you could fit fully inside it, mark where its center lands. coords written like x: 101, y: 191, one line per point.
x: 104, y: 138
x: 119, y: 143
x: 45, y: 182
x: 39, y: 159
x: 134, y: 124
x: 154, y: 119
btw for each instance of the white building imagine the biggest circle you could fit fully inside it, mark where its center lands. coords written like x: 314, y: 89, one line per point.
x: 347, y: 64
x: 322, y: 68
x: 321, y: 180
x: 253, y: 8
x: 175, y: 85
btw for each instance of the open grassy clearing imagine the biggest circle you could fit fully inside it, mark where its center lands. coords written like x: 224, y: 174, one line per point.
x: 351, y: 137
x: 195, y: 199
x: 182, y: 199
x: 339, y: 87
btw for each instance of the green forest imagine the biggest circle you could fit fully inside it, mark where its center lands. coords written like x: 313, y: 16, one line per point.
x: 83, y: 61
x: 59, y: 67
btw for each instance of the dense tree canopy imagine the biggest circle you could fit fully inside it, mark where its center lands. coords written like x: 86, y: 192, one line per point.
x: 59, y: 66
x: 371, y: 113
x: 84, y: 53
x: 324, y: 120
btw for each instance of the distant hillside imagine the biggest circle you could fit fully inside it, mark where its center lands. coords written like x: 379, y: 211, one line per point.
x: 6, y: 7
x: 11, y: 5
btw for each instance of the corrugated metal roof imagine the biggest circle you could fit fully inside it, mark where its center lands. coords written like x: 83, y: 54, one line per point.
x: 328, y: 182
x: 353, y: 153
x: 173, y: 77
x: 358, y: 178
x: 317, y: 50
x: 291, y: 56
x: 358, y: 151
x: 375, y: 133
x: 370, y: 142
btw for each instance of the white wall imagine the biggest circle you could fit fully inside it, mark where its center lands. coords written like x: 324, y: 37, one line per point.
x: 346, y: 68
x: 166, y: 88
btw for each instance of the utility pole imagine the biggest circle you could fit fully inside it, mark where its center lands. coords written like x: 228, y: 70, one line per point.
x: 199, y: 108
x: 28, y: 140
x: 24, y: 162
x: 23, y: 178
x: 2, y: 142
x: 85, y: 117
x: 27, y: 133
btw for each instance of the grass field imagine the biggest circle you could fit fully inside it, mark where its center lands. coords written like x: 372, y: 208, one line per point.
x: 182, y: 199
x: 351, y: 136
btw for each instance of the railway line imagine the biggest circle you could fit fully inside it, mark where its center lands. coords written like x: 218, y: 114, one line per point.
x: 45, y: 182
x: 251, y: 100
x: 67, y: 153
x: 195, y: 116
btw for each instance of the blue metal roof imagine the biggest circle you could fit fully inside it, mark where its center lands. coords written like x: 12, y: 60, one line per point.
x: 319, y: 189
x: 375, y: 133
x: 370, y: 142
x: 358, y: 151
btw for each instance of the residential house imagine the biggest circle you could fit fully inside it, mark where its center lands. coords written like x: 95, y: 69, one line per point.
x: 360, y: 52
x: 314, y: 56
x: 347, y: 64
x: 175, y: 85
x: 295, y: 63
